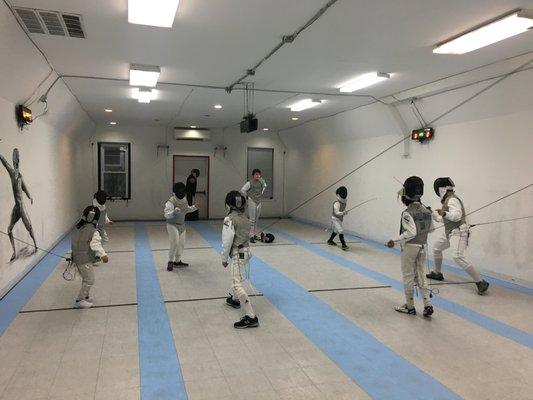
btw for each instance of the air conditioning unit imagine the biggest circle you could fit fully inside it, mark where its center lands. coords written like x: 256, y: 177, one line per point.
x: 192, y: 134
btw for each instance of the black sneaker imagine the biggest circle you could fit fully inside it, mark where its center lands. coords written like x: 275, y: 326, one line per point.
x: 406, y: 310
x: 180, y: 264
x: 170, y: 266
x: 332, y: 243
x: 437, y: 276
x: 252, y: 239
x: 345, y: 246
x: 428, y: 311
x: 247, y: 322
x: 233, y: 303
x: 482, y: 286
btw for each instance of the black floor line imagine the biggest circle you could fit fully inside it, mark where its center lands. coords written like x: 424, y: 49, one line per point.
x: 451, y: 283
x: 349, y: 288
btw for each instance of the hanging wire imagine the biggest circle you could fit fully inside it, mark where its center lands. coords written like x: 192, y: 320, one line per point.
x: 35, y: 247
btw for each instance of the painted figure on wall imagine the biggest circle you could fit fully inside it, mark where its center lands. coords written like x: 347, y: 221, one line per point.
x: 19, y: 212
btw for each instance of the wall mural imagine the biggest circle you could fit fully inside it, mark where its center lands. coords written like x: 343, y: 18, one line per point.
x: 19, y: 212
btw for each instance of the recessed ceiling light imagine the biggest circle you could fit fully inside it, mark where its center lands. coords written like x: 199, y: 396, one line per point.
x: 265, y: 129
x: 503, y: 28
x: 218, y: 106
x: 143, y: 95
x: 144, y: 75
x: 304, y: 105
x: 294, y: 118
x: 108, y: 110
x: 364, y: 81
x: 152, y: 12
x: 112, y: 123
x: 193, y: 126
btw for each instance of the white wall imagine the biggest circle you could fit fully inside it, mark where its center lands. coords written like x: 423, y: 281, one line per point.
x: 485, y: 146
x: 151, y: 179
x: 53, y: 151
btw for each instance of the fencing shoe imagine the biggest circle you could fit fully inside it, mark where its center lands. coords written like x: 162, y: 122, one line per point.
x: 170, y: 266
x: 405, y: 310
x: 233, y: 303
x: 345, y: 246
x: 437, y: 276
x: 180, y: 264
x: 428, y: 311
x: 247, y: 322
x: 482, y: 286
x: 82, y: 304
x: 332, y: 243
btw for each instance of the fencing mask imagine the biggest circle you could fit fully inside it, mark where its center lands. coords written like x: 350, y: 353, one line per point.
x: 101, y: 197
x: 442, y: 185
x: 267, y: 237
x: 342, y: 192
x: 235, y: 201
x: 179, y: 190
x: 413, y: 189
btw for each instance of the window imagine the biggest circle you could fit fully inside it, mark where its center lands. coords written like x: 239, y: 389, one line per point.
x: 262, y: 159
x: 114, y: 169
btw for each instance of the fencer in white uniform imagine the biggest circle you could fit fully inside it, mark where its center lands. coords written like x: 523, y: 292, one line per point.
x: 236, y: 246
x: 176, y: 208
x: 416, y: 222
x: 99, y: 200
x: 253, y: 191
x: 455, y: 235
x: 337, y: 217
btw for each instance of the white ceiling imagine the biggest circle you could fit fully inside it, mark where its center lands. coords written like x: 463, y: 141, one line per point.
x: 214, y: 41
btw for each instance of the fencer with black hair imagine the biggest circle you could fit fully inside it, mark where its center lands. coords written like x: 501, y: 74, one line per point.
x: 176, y: 208
x: 415, y: 224
x: 236, y: 247
x: 253, y: 190
x: 99, y: 200
x: 455, y: 235
x: 87, y: 250
x: 337, y: 217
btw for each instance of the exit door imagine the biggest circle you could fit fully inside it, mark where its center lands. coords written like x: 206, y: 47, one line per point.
x: 182, y: 166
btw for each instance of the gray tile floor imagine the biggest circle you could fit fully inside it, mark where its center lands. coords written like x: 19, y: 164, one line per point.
x: 93, y: 354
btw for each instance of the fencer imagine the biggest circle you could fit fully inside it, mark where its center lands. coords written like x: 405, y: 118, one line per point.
x: 416, y: 222
x: 253, y: 190
x: 337, y: 217
x: 236, y: 247
x: 455, y: 235
x: 175, y: 210
x: 87, y: 250
x: 99, y: 200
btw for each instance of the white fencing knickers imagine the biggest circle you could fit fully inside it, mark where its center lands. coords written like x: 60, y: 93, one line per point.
x: 176, y: 241
x: 239, y: 276
x: 254, y: 211
x: 87, y: 280
x: 413, y: 261
x: 457, y: 241
x: 336, y: 226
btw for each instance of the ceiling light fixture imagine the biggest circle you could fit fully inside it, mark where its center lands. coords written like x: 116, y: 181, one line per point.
x: 193, y: 126
x: 112, y: 123
x: 218, y: 106
x: 265, y: 129
x: 304, y: 105
x: 363, y: 81
x: 295, y: 118
x: 108, y: 110
x: 510, y: 25
x: 144, y: 75
x: 152, y: 12
x: 143, y: 95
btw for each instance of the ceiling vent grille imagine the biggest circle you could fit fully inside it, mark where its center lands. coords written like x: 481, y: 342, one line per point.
x: 30, y: 20
x: 51, y: 22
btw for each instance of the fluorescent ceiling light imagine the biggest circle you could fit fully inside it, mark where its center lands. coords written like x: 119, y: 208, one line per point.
x: 364, y: 81
x: 294, y: 118
x: 218, y: 106
x: 503, y: 28
x: 144, y: 75
x: 108, y: 110
x: 265, y: 129
x: 152, y: 12
x: 112, y: 123
x: 193, y: 126
x: 304, y: 105
x: 143, y: 95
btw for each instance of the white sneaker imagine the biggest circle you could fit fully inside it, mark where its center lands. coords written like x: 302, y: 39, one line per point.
x: 83, y: 304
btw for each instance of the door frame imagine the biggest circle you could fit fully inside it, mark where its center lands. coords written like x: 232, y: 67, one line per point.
x: 174, y: 156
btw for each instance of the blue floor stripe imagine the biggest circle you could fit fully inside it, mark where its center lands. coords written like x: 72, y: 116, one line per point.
x: 379, y: 371
x: 160, y: 371
x: 485, y: 322
x: 447, y: 267
x: 22, y: 292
